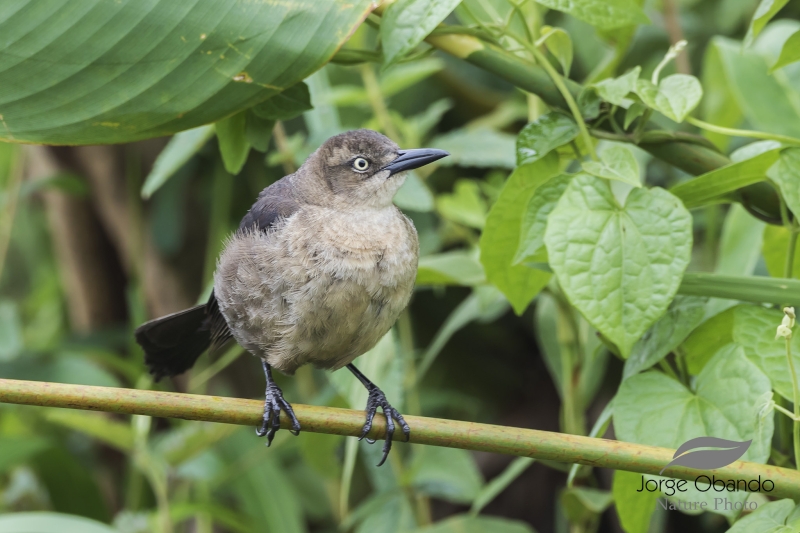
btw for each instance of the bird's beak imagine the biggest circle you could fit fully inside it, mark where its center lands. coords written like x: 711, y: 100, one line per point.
x: 409, y: 159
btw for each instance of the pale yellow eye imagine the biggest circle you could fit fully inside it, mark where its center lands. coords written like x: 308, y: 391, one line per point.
x: 360, y: 164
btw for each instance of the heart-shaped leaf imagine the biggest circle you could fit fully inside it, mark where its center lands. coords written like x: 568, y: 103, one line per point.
x: 620, y: 266
x: 544, y: 135
x: 617, y: 163
x: 674, y: 97
x: 652, y: 408
x: 111, y: 72
x: 534, y: 221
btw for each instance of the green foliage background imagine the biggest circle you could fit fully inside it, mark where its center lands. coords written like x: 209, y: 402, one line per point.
x: 604, y: 253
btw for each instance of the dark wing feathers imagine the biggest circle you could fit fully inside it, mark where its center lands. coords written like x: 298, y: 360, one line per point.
x: 274, y: 202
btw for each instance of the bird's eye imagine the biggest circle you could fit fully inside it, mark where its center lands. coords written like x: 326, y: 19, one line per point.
x: 360, y: 164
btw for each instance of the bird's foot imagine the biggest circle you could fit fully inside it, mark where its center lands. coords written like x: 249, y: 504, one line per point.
x: 378, y: 399
x: 271, y: 421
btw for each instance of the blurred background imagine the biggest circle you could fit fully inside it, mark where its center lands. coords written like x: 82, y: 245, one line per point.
x: 84, y: 259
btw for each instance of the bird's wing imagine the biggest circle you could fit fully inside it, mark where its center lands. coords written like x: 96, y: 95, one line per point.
x: 274, y: 202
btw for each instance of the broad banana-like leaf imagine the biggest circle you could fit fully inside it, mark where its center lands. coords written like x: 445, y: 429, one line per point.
x: 111, y: 71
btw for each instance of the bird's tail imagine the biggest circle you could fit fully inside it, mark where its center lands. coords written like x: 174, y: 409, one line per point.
x: 174, y: 342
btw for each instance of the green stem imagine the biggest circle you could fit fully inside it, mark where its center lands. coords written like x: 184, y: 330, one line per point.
x: 562, y: 88
x: 790, y: 253
x: 742, y: 133
x: 538, y: 444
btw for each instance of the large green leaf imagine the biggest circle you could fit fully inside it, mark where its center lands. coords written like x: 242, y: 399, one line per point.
x: 713, y: 186
x: 768, y: 518
x: 116, y: 71
x: 754, y: 328
x: 634, y: 507
x: 603, y: 14
x: 654, y: 409
x: 407, y: 22
x: 768, y: 104
x: 706, y: 340
x: 620, y: 266
x: 534, y: 221
x: 764, y: 12
x: 616, y: 163
x: 501, y: 237
x: 446, y: 473
x: 43, y: 522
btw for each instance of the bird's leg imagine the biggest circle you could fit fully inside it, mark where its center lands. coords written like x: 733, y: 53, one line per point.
x: 273, y: 404
x: 378, y: 399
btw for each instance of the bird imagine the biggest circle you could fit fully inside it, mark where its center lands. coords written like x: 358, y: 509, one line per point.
x: 317, y: 272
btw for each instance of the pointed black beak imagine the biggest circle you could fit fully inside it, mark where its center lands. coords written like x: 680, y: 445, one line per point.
x: 409, y: 159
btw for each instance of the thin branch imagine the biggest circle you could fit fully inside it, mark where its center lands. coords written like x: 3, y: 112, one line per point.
x: 533, y: 443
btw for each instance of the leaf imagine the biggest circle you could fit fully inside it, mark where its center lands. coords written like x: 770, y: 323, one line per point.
x: 544, y: 135
x: 582, y: 504
x: 476, y: 148
x: 729, y: 451
x: 771, y: 517
x: 402, y: 76
x: 675, y: 97
x: 701, y: 345
x: 620, y: 266
x: 559, y: 44
x: 634, y: 508
x: 192, y: 66
x: 175, y: 154
x: 46, y: 522
x: 654, y: 409
x: 683, y: 316
x: 116, y: 434
x: 754, y: 329
x: 766, y: 103
x: 618, y: 164
x: 286, y: 105
x: 450, y: 268
x: 501, y: 235
x: 603, y: 14
x: 614, y: 90
x: 446, y: 473
x: 534, y: 221
x: 389, y: 513
x: 711, y: 186
x: 635, y: 111
x: 233, y: 143
x: 476, y: 524
x: 749, y: 151
x: 774, y: 249
x: 406, y: 23
x: 764, y: 13
x: 465, y: 205
x: 786, y: 174
x: 790, y: 52
x: 258, y: 131
x: 414, y: 195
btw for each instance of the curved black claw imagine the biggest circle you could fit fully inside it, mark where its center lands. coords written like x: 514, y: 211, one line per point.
x: 273, y: 403
x: 378, y: 399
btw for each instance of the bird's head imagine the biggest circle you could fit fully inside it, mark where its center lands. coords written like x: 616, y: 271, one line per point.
x: 363, y: 168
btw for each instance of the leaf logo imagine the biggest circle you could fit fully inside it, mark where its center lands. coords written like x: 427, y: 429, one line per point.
x: 728, y: 452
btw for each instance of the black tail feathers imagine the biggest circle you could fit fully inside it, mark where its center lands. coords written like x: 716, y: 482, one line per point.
x: 173, y: 343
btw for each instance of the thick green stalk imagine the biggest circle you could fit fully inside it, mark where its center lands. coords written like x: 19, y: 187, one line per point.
x: 432, y: 431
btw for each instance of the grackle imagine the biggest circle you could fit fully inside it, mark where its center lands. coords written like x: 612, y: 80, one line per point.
x: 318, y: 271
